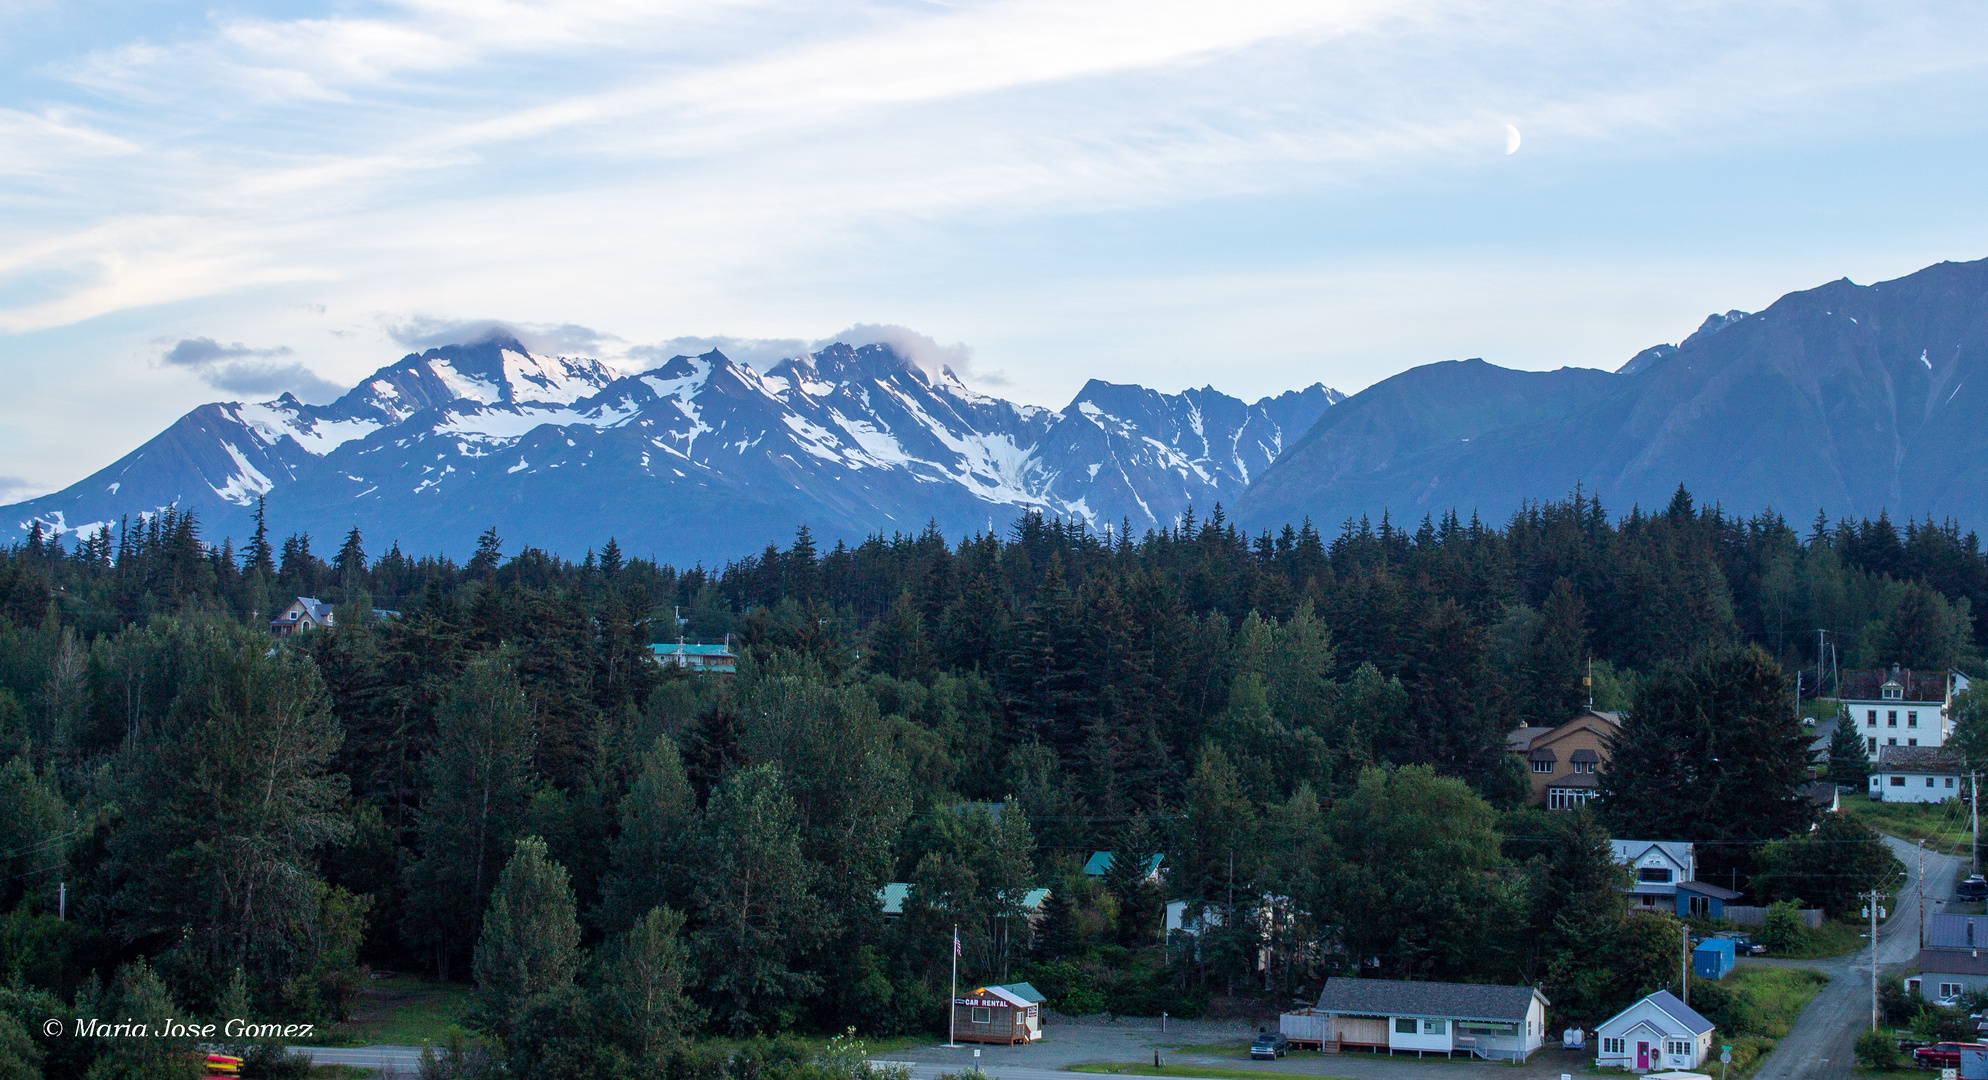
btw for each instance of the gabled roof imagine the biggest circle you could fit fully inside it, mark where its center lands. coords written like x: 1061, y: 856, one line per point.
x: 1004, y: 994
x: 1628, y: 851
x: 1918, y: 759
x: 892, y: 897
x: 1706, y: 888
x: 1521, y: 740
x: 1920, y: 687
x: 1952, y: 962
x: 1453, y: 1001
x: 1667, y: 1003
x: 1949, y: 931
x: 1033, y: 899
x: 1026, y: 992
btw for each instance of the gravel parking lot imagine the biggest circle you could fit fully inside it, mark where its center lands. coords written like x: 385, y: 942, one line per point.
x: 1222, y: 1044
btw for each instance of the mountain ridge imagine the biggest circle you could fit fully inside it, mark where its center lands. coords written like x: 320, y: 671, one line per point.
x: 698, y: 456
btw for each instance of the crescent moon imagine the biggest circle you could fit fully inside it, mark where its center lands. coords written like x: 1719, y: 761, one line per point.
x: 1511, y: 140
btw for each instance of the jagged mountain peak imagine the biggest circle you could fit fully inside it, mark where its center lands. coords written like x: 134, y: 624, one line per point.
x: 694, y: 457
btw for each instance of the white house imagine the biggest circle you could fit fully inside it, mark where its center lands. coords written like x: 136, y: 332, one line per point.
x: 1505, y: 1023
x: 1660, y: 866
x: 1900, y: 707
x: 1658, y: 1032
x: 1946, y: 974
x: 1920, y: 774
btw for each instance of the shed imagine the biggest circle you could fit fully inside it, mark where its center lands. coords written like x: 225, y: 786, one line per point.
x: 1657, y: 1032
x: 996, y: 1014
x: 1713, y: 958
x: 1505, y: 1023
x: 1702, y: 898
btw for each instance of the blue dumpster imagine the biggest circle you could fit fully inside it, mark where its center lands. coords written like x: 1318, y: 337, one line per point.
x: 1712, y: 958
x: 1974, y: 1064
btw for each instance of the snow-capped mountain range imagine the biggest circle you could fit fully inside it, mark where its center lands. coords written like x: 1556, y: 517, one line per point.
x: 700, y: 458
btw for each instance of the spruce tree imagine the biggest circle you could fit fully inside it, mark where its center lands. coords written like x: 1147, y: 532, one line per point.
x: 1849, y: 760
x: 653, y: 857
x: 757, y: 913
x: 479, y: 782
x: 530, y: 944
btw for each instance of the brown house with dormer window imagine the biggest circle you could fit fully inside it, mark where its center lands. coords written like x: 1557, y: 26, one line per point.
x: 1562, y: 761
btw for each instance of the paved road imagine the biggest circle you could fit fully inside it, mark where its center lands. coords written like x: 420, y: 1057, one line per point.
x: 1819, y: 1045
x: 390, y: 1060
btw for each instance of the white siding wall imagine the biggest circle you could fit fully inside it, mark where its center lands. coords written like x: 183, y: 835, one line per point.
x: 1915, y: 788
x: 1423, y: 1039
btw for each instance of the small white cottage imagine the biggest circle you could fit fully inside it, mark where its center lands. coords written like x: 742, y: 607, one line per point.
x: 1658, y: 1032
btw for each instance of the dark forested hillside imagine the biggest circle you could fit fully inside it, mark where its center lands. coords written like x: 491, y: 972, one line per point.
x: 256, y: 818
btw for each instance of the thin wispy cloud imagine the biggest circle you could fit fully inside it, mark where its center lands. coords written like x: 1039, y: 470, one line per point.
x: 597, y: 173
x: 241, y: 369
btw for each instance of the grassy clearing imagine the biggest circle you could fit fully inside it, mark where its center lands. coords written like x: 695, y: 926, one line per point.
x: 402, y: 1011
x: 1229, y: 1047
x: 1829, y: 939
x: 1133, y: 1068
x: 1944, y: 826
x: 341, y: 1072
x: 1778, y: 994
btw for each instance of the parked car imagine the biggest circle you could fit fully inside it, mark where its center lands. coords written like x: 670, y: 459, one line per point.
x: 1273, y: 1045
x: 1743, y: 943
x: 1974, y: 888
x: 1944, y: 1055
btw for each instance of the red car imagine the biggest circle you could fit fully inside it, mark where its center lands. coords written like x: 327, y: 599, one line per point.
x: 1944, y: 1055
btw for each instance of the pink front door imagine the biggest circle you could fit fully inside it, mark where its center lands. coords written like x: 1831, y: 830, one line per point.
x: 1642, y: 1055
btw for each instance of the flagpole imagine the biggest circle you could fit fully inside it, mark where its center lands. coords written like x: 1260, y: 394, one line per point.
x: 952, y: 1003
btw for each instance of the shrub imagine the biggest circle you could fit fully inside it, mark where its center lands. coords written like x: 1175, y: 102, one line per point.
x: 1895, y: 1002
x: 1783, y: 929
x: 1877, y: 1050
x: 1940, y: 1023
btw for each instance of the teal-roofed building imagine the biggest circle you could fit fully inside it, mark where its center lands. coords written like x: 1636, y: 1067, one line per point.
x: 713, y: 658
x: 1100, y: 864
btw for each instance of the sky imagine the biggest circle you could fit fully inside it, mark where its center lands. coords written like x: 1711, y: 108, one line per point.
x: 205, y: 202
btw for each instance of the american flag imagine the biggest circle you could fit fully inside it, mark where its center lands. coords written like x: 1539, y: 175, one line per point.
x: 956, y: 951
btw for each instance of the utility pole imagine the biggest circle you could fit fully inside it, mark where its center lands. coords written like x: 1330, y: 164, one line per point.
x: 1974, y: 812
x: 1684, y: 962
x: 1819, y: 634
x: 952, y: 1004
x: 1590, y: 681
x: 61, y: 901
x: 1874, y: 913
x: 1922, y: 894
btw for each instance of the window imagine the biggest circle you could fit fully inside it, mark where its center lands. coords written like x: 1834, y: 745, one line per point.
x: 1486, y: 1027
x: 1542, y: 766
x: 1912, y: 719
x: 1948, y: 990
x: 1561, y: 798
x: 1898, y: 781
x: 1929, y: 781
x: 1612, y: 1046
x: 1871, y: 718
x: 1435, y: 1027
x: 1701, y: 905
x: 983, y: 1016
x: 1892, y: 692
x: 1658, y: 874
x: 1677, y: 1048
x: 1915, y: 742
x: 1949, y: 781
x: 1874, y: 744
x: 1891, y: 718
x: 1891, y: 742
x: 1404, y: 1025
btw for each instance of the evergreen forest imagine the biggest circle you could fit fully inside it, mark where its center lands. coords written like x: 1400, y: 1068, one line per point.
x: 482, y: 775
